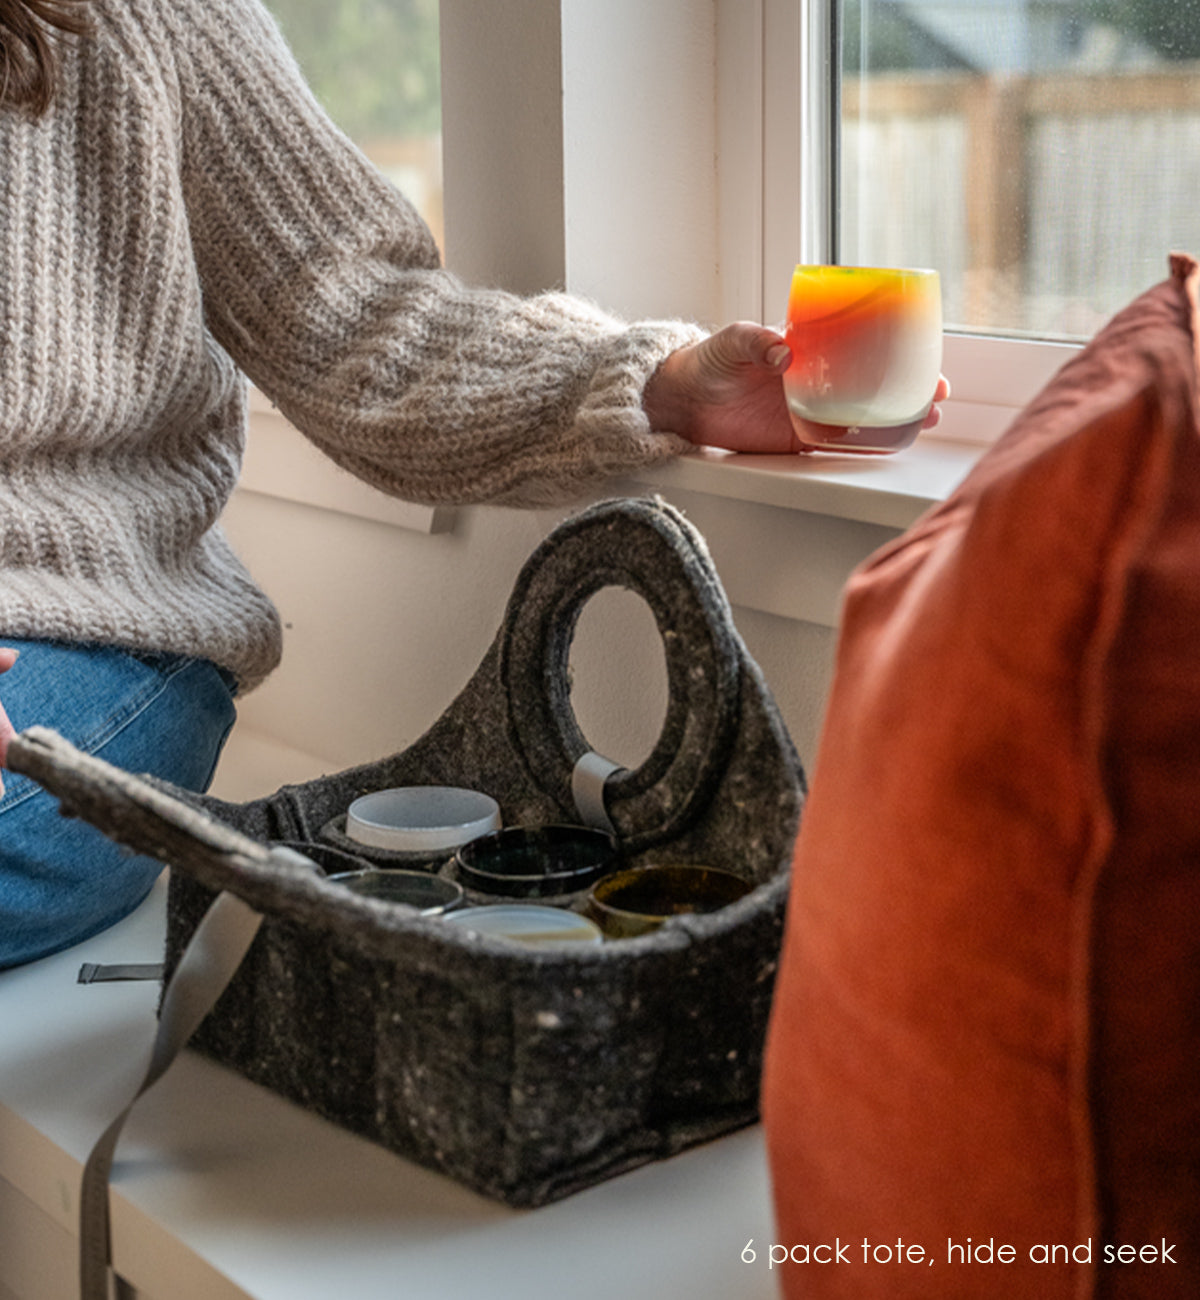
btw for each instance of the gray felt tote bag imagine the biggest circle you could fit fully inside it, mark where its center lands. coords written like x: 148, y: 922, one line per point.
x: 525, y: 1073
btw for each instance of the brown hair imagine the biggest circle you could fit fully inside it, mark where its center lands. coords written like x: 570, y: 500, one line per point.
x: 28, y: 58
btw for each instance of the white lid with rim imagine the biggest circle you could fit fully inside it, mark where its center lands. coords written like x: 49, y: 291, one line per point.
x: 421, y: 818
x: 527, y: 923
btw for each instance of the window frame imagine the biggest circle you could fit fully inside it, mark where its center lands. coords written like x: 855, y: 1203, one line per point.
x: 699, y: 199
x: 777, y: 116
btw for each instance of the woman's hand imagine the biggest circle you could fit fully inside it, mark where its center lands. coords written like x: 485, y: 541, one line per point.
x: 727, y: 391
x: 7, y: 659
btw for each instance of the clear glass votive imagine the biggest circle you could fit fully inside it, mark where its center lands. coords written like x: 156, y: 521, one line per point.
x: 536, y: 861
x: 431, y: 895
x: 640, y: 899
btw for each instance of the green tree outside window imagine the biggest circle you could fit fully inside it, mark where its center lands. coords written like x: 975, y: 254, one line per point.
x: 373, y: 64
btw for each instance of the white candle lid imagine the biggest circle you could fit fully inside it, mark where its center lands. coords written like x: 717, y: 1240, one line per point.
x: 527, y: 923
x: 421, y: 818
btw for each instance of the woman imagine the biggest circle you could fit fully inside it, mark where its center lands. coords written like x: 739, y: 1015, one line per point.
x: 177, y: 213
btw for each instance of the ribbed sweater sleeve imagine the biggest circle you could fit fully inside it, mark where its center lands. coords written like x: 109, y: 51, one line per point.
x: 325, y: 287
x: 185, y: 213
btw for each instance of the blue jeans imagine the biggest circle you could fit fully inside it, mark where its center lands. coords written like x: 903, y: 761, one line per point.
x: 61, y: 880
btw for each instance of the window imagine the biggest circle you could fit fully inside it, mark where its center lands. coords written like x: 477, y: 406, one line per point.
x: 374, y: 65
x: 1042, y: 154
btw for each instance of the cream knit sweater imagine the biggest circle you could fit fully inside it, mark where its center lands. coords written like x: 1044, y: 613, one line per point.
x: 186, y: 215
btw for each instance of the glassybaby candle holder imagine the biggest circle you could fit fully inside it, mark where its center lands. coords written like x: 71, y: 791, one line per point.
x: 866, y: 356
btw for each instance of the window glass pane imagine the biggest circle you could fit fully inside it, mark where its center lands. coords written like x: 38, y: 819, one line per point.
x: 374, y: 65
x: 1043, y: 155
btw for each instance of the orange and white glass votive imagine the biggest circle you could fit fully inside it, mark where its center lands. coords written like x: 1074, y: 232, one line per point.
x: 866, y: 356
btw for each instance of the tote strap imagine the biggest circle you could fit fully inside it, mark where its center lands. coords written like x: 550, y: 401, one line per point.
x: 209, y: 962
x: 151, y: 819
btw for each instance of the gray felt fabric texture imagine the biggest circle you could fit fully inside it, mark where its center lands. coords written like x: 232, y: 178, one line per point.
x: 525, y: 1074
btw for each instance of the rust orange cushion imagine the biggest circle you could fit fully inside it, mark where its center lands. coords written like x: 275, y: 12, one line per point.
x: 987, y: 1022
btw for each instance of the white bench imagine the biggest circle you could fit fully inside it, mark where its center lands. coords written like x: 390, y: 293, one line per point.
x: 223, y: 1191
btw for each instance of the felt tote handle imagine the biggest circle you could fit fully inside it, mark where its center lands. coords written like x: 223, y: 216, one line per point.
x: 649, y: 548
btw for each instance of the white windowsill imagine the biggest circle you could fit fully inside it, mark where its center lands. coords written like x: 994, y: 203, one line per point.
x: 889, y: 490
x: 223, y: 1190
x: 992, y: 380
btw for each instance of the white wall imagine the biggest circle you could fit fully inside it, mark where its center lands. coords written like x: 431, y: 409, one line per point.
x: 640, y: 156
x: 619, y: 200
